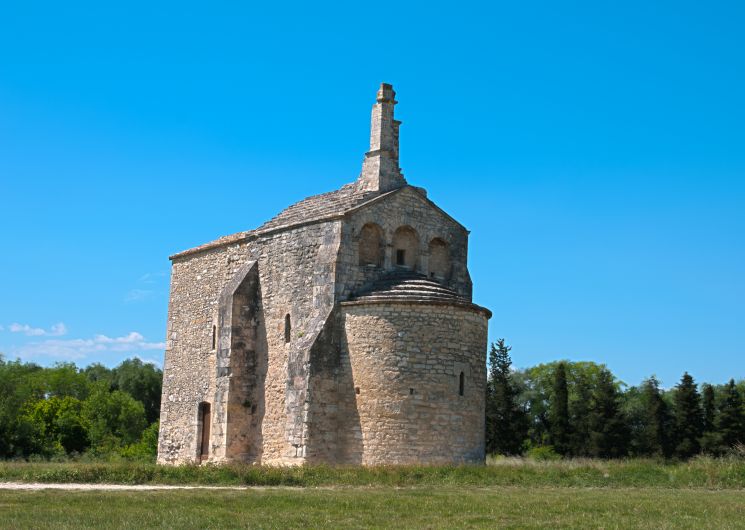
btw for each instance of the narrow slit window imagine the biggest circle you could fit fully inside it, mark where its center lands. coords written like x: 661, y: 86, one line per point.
x: 401, y: 257
x: 288, y: 329
x: 462, y: 384
x: 214, y: 337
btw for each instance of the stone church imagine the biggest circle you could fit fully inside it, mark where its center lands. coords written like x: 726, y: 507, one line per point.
x: 341, y: 331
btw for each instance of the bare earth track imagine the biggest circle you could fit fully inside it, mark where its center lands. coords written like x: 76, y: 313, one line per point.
x: 36, y: 486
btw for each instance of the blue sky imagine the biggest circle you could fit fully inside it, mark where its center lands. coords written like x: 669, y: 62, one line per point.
x: 595, y: 150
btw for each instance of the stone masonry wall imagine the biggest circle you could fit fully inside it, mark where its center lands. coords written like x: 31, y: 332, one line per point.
x: 405, y: 208
x: 403, y: 363
x: 296, y: 276
x: 297, y: 270
x: 189, y: 367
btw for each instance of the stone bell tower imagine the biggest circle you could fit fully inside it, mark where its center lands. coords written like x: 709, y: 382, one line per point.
x: 380, y: 169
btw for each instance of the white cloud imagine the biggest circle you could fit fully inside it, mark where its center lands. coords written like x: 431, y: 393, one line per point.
x: 57, y: 330
x: 137, y: 295
x: 155, y: 362
x: 73, y: 349
x: 152, y: 277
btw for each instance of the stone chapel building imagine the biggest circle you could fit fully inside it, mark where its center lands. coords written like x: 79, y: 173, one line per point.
x: 342, y: 331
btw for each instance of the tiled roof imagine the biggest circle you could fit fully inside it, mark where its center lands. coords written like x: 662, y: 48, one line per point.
x: 315, y: 208
x: 405, y: 285
x: 319, y: 207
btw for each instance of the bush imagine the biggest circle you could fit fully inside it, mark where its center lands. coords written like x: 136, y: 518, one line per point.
x: 543, y: 453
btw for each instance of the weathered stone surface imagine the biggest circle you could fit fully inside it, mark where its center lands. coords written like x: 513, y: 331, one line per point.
x: 336, y: 332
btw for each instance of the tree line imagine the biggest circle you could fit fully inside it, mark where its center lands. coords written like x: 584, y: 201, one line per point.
x: 573, y: 409
x: 63, y: 411
x: 580, y: 409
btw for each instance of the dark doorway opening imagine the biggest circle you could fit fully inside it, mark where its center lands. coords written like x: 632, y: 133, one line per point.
x: 205, y: 421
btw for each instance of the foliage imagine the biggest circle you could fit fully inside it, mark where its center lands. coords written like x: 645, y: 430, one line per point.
x: 506, y: 421
x: 609, y: 432
x: 543, y: 453
x: 559, y: 412
x: 606, y: 418
x: 61, y: 411
x: 689, y: 419
x: 142, y: 382
x: 730, y: 423
x: 651, y: 436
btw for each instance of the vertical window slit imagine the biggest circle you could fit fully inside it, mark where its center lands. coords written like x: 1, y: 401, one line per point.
x: 462, y: 384
x: 288, y: 329
x: 214, y: 337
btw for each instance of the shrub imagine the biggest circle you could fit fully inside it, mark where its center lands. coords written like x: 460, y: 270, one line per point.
x: 543, y: 453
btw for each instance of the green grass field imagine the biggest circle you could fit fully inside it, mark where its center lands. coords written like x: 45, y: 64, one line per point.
x: 421, y: 507
x: 697, y: 473
x: 703, y: 493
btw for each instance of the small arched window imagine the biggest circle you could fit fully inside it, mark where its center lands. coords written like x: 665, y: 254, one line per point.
x: 462, y: 384
x: 406, y: 248
x: 288, y: 328
x: 214, y: 337
x: 371, y: 245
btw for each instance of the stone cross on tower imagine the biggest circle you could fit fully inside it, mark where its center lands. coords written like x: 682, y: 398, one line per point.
x: 380, y: 169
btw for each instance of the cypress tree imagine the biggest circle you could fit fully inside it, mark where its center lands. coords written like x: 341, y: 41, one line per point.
x: 559, y: 411
x: 730, y: 423
x: 709, y: 407
x: 689, y: 420
x: 657, y: 430
x: 710, y: 441
x: 609, y: 436
x: 506, y: 422
x: 580, y: 416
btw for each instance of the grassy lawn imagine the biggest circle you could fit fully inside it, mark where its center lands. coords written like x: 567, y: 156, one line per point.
x: 698, y: 473
x: 702, y: 493
x: 420, y: 507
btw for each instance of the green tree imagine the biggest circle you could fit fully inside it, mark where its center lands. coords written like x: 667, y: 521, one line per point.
x: 730, y: 424
x: 64, y: 379
x: 55, y: 426
x: 559, y: 411
x: 535, y: 387
x: 580, y: 417
x: 146, y: 448
x: 708, y: 400
x: 19, y: 384
x: 689, y: 421
x: 609, y: 436
x: 97, y: 372
x: 506, y: 421
x: 710, y: 440
x: 655, y: 437
x: 143, y: 382
x: 115, y: 418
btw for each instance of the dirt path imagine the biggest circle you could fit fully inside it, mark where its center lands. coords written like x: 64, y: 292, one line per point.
x: 36, y: 486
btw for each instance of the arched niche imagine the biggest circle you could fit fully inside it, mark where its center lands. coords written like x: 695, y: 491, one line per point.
x: 371, y: 245
x: 439, y: 259
x: 406, y: 248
